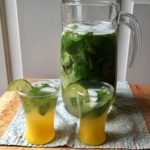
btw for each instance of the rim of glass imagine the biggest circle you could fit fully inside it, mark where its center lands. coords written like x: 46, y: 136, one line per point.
x: 102, y: 84
x: 100, y: 3
x: 57, y: 87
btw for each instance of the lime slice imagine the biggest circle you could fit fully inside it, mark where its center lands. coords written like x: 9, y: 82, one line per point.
x: 70, y: 97
x: 19, y: 85
x: 70, y: 91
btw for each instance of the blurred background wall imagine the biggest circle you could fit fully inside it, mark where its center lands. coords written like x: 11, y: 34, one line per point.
x: 34, y: 30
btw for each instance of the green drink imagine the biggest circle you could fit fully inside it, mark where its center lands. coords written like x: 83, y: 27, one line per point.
x: 40, y: 97
x: 88, y: 53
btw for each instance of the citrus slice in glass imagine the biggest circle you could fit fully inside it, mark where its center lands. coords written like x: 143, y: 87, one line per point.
x: 21, y: 85
x: 71, y: 100
x: 70, y: 91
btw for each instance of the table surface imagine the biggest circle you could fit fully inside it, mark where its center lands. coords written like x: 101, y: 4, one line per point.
x: 10, y: 102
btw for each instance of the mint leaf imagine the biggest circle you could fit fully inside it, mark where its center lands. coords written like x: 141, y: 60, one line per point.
x: 98, y: 110
x: 46, y: 106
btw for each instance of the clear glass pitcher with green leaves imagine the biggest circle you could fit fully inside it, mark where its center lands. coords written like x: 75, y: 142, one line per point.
x: 89, y: 45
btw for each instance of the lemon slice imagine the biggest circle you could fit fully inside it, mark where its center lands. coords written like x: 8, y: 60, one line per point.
x: 19, y: 85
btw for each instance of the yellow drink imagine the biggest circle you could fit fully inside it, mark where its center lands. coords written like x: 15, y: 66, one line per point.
x: 93, y: 107
x: 40, y: 129
x: 39, y: 104
x: 92, y: 130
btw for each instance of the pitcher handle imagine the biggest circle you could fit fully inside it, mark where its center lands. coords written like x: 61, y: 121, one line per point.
x: 130, y: 21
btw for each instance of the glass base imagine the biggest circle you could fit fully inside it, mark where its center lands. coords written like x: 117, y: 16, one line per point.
x: 92, y: 130
x: 95, y: 143
x: 39, y: 140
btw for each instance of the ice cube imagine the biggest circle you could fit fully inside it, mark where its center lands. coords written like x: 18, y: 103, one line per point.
x: 48, y: 89
x: 92, y: 95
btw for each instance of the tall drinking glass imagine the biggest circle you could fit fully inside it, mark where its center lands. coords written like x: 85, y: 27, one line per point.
x: 89, y: 44
x: 39, y: 107
x: 92, y: 109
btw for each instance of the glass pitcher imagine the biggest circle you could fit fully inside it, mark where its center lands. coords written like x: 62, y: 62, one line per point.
x: 89, y: 45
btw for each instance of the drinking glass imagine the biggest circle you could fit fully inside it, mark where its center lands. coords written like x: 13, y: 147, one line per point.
x: 92, y: 109
x: 39, y: 109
